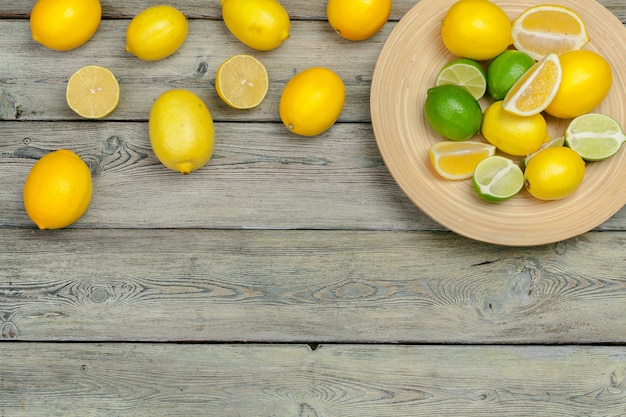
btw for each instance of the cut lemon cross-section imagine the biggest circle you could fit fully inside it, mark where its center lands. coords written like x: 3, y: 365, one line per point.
x: 594, y: 136
x: 241, y: 81
x: 535, y: 90
x: 465, y: 73
x: 458, y: 160
x: 497, y: 179
x: 93, y: 92
x: 544, y: 29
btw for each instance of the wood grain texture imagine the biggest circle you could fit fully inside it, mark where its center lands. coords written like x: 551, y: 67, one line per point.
x: 313, y: 286
x: 38, y: 93
x: 343, y: 381
x: 260, y: 176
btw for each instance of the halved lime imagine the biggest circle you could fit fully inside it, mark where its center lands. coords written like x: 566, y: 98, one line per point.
x: 594, y: 136
x: 465, y: 73
x: 497, y: 179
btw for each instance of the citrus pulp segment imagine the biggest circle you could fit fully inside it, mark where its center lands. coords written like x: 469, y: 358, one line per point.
x: 497, y: 179
x: 458, y: 160
x: 547, y: 28
x: 93, y: 92
x: 241, y: 81
x: 535, y: 90
x: 594, y: 136
x: 465, y: 73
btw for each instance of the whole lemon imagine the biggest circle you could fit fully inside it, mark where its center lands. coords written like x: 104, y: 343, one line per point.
x: 181, y: 131
x: 453, y: 112
x: 476, y: 29
x: 64, y: 24
x: 260, y: 24
x: 554, y: 173
x: 512, y: 134
x: 156, y: 32
x: 357, y: 20
x: 312, y: 101
x: 586, y: 80
x: 58, y: 189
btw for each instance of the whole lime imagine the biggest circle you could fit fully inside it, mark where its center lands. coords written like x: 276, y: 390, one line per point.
x: 453, y: 112
x: 505, y: 70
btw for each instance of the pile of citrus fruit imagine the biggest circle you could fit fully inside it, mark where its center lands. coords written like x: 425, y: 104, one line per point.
x: 505, y: 78
x: 58, y: 190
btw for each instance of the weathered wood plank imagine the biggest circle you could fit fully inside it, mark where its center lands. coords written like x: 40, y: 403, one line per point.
x: 68, y: 380
x: 297, y: 9
x: 261, y: 176
x: 33, y: 78
x: 313, y: 286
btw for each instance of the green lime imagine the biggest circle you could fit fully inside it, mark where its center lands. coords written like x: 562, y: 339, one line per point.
x: 497, y: 179
x: 453, y: 112
x: 505, y: 70
x: 465, y: 73
x: 594, y: 136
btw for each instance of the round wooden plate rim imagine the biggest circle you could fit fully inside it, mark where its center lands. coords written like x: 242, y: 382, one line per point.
x: 407, y: 67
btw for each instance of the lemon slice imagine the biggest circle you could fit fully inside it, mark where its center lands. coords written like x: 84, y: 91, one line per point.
x: 93, y: 92
x: 241, y: 81
x: 535, y: 90
x: 497, y: 179
x: 465, y: 73
x: 547, y: 28
x: 458, y: 160
x: 594, y: 136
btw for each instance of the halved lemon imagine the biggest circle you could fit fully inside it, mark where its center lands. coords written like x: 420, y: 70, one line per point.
x: 242, y: 81
x: 93, y: 92
x: 547, y: 28
x: 535, y: 90
x: 458, y: 160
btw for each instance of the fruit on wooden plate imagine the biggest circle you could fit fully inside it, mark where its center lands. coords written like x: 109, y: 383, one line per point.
x: 453, y: 112
x: 357, y: 20
x: 181, y: 131
x: 58, y: 190
x: 586, y: 81
x: 594, y: 136
x: 548, y: 28
x: 93, y: 92
x: 536, y: 89
x: 504, y: 71
x: 549, y: 143
x: 64, y: 24
x: 497, y: 179
x: 512, y: 134
x: 476, y: 29
x: 312, y: 101
x: 465, y: 73
x: 260, y: 24
x: 554, y: 173
x: 458, y: 160
x: 241, y: 81
x: 156, y: 32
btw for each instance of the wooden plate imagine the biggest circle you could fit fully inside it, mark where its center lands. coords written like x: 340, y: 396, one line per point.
x: 408, y: 65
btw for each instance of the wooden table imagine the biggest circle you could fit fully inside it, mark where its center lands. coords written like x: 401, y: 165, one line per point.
x: 290, y: 276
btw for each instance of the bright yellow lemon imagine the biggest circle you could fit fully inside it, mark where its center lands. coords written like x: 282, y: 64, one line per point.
x: 181, y: 131
x: 64, y: 24
x: 260, y: 24
x: 58, y: 189
x: 156, y: 32
x: 312, y: 101
x: 357, y: 20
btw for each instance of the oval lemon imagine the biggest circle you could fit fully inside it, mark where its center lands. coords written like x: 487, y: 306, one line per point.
x: 156, y: 32
x: 64, y: 24
x: 312, y: 101
x: 181, y: 131
x: 260, y: 24
x: 58, y: 189
x: 357, y: 20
